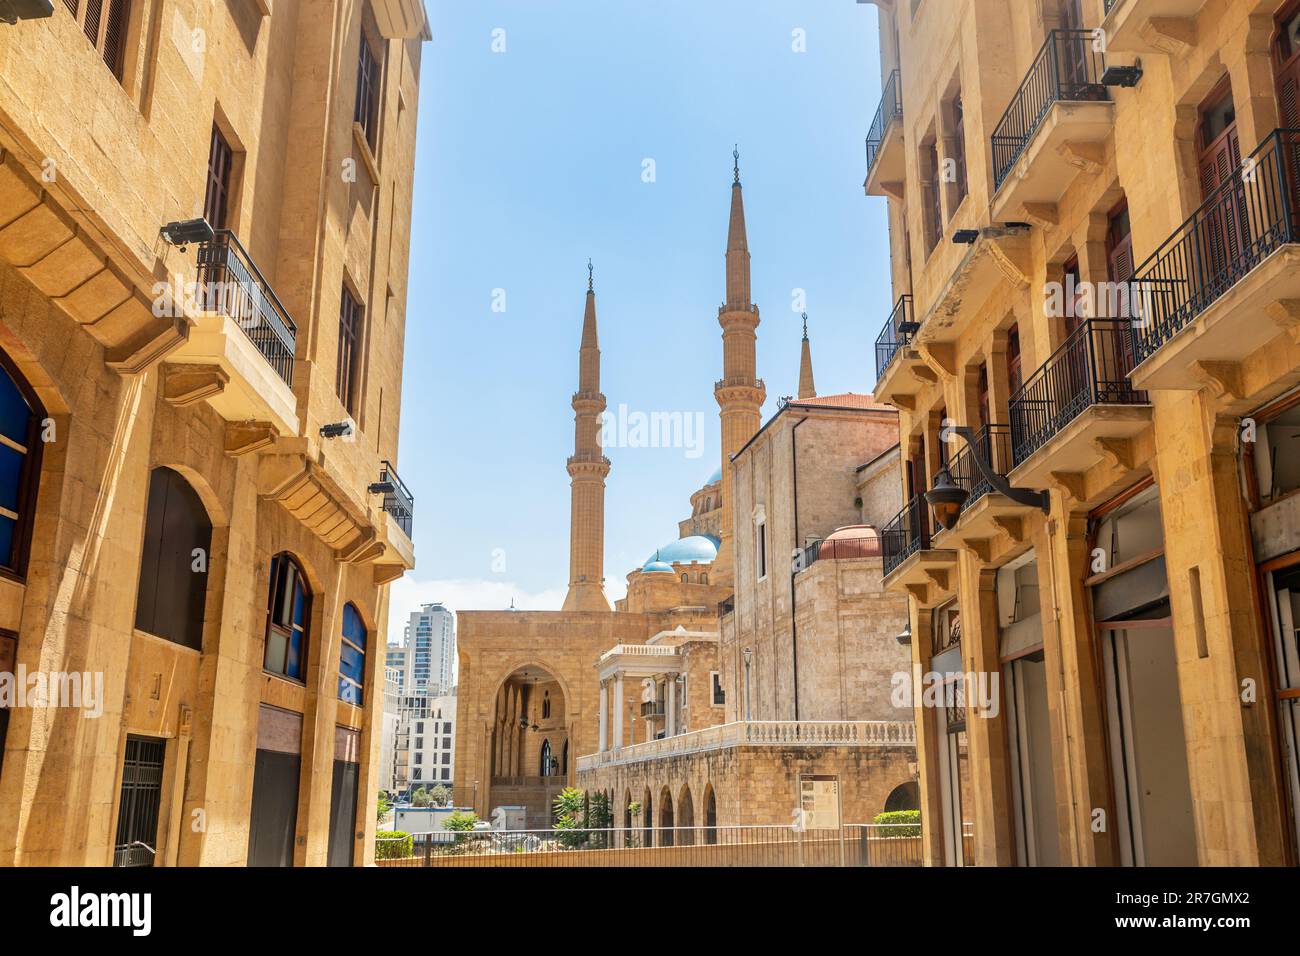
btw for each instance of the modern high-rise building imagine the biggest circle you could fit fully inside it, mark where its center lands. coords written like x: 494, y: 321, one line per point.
x: 204, y: 228
x: 425, y: 662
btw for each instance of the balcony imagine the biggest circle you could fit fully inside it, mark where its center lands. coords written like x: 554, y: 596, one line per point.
x: 1225, y: 284
x: 900, y: 372
x: 885, y: 160
x: 1151, y: 26
x: 652, y: 708
x: 761, y: 733
x: 1056, y: 124
x: 240, y: 351
x: 1077, y: 409
x: 909, y: 559
x: 393, y: 527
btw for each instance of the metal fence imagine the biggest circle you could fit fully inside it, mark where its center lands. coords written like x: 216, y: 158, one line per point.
x: 851, y: 845
x: 905, y: 534
x: 1245, y: 219
x: 1089, y: 368
x: 233, y: 286
x: 890, y: 109
x: 897, y: 332
x: 1068, y: 67
x: 993, y: 444
x: 398, y: 500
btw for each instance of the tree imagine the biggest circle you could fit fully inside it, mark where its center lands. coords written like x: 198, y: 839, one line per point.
x: 460, y: 822
x: 420, y: 798
x: 382, y: 807
x: 440, y: 796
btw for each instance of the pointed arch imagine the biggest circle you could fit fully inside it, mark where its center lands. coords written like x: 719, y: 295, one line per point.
x: 545, y: 760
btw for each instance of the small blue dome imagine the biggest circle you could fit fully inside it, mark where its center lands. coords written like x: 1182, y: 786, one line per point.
x: 697, y: 548
x: 715, y: 477
x: 651, y: 566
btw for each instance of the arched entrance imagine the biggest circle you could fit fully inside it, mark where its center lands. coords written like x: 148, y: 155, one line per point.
x: 685, y: 816
x: 530, y: 743
x: 710, y: 815
x: 648, y: 818
x: 666, y: 817
x: 906, y: 796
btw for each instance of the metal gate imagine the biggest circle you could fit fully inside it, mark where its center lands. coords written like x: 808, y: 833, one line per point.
x: 137, y: 815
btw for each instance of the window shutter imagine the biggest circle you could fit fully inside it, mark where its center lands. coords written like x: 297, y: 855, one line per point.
x: 71, y: 5
x: 115, y: 35
x: 94, y: 8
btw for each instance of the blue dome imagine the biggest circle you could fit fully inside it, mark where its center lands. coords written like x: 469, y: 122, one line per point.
x: 715, y: 477
x: 651, y: 566
x: 700, y: 548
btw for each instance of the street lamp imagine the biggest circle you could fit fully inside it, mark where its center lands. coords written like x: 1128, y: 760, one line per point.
x: 947, y: 497
x: 749, y: 657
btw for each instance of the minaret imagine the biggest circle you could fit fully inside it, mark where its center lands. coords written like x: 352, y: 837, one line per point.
x: 739, y: 392
x: 806, y: 387
x: 587, y: 471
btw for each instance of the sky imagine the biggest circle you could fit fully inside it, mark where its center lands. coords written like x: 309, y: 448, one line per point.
x: 551, y: 131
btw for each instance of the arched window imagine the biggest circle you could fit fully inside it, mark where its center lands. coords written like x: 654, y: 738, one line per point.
x: 173, y: 561
x: 564, y: 761
x: 686, y: 578
x: 352, y: 657
x: 287, y: 612
x: 20, y: 452
x: 704, y: 577
x: 546, y: 704
x: 544, y: 764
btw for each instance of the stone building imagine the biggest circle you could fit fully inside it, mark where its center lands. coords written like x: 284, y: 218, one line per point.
x: 639, y: 702
x: 199, y: 511
x: 1092, y: 222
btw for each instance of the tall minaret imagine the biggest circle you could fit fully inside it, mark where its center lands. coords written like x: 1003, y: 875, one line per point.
x: 740, y: 392
x: 587, y: 471
x: 806, y: 387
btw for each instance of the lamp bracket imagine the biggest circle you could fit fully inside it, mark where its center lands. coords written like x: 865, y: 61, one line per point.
x: 1021, y: 496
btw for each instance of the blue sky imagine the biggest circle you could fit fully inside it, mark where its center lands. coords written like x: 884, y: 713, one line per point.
x: 532, y: 159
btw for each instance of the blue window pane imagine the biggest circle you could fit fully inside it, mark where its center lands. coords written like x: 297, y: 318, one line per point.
x: 293, y: 666
x: 351, y: 662
x: 7, y: 528
x: 11, y: 475
x: 353, y: 628
x: 349, y: 693
x: 299, y: 606
x: 15, y: 413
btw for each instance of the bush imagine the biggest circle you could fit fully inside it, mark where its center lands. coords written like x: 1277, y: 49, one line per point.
x: 460, y: 822
x: 912, y: 819
x: 393, y: 845
x: 440, y: 796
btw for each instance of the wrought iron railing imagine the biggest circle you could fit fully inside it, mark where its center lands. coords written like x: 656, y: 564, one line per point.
x: 652, y: 708
x: 993, y: 444
x: 906, y: 533
x: 898, y: 331
x: 232, y: 285
x: 1089, y: 368
x: 1068, y: 68
x: 398, y: 501
x: 890, y: 109
x: 1243, y: 221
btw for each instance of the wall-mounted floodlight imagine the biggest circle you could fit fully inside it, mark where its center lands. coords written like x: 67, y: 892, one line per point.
x: 336, y: 430
x: 185, y: 231
x: 11, y: 11
x: 1122, y: 76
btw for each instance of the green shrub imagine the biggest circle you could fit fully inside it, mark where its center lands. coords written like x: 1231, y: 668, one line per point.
x: 393, y: 845
x: 460, y: 822
x: 910, y: 817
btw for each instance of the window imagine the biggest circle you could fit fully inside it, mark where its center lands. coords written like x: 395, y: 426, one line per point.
x: 419, y: 726
x: 931, y: 210
x: 138, y: 801
x: 173, y: 561
x: 367, y: 108
x: 545, y: 760
x: 446, y: 757
x: 719, y: 695
x: 105, y: 29
x: 1119, y: 244
x: 761, y: 537
x: 546, y: 704
x: 956, y: 118
x: 217, y: 199
x: 419, y: 743
x: 446, y: 743
x: 352, y: 657
x: 20, y: 465
x: 348, y: 373
x: 446, y: 773
x: 1014, y: 372
x: 419, y: 757
x: 288, y: 611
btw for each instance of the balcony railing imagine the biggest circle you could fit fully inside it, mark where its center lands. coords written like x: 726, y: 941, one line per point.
x: 652, y: 708
x: 1089, y: 368
x: 398, y: 501
x: 898, y: 331
x: 232, y: 285
x: 993, y: 444
x: 890, y: 109
x: 1067, y: 68
x: 1244, y: 220
x: 907, y: 533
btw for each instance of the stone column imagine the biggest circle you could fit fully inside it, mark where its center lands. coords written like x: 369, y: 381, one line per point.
x: 604, y: 717
x: 670, y: 715
x: 618, y: 711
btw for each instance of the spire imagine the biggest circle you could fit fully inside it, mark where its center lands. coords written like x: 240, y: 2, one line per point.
x: 737, y: 245
x: 806, y: 387
x: 588, y: 468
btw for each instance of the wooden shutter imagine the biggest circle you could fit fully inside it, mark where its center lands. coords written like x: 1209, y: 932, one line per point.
x: 94, y: 9
x: 115, y: 35
x: 217, y: 200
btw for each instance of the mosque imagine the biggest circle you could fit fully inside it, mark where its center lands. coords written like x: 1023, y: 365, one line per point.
x: 598, y: 694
